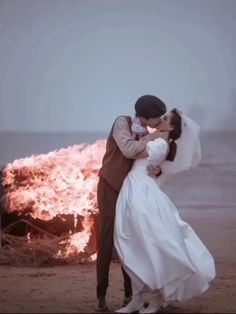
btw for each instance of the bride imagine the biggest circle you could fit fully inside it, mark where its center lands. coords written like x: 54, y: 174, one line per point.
x: 161, y: 253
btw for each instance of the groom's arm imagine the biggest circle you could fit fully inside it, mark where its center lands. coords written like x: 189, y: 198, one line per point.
x: 129, y: 147
x: 125, y: 140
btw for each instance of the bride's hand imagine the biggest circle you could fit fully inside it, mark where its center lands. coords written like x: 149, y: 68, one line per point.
x: 153, y: 170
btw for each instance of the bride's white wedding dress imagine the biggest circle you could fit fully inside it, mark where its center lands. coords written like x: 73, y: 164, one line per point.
x: 156, y: 247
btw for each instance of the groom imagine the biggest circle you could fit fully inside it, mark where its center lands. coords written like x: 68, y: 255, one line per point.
x: 121, y: 150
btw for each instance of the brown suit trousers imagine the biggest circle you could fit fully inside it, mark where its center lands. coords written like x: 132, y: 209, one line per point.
x: 106, y: 198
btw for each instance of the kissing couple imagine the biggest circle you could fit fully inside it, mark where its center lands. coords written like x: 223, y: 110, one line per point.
x: 160, y: 254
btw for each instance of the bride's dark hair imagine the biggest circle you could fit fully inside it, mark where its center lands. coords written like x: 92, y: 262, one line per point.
x: 174, y: 134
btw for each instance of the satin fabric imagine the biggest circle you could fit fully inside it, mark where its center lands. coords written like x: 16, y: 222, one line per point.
x: 155, y: 246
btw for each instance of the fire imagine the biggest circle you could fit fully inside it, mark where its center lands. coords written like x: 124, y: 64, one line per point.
x: 78, y: 241
x: 62, y: 182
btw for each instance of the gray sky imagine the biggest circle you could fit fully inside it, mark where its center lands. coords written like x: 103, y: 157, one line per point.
x: 75, y: 65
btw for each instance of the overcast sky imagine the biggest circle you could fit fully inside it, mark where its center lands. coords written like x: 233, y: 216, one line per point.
x: 75, y: 65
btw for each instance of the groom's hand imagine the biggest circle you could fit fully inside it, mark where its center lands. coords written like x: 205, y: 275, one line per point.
x: 153, y: 170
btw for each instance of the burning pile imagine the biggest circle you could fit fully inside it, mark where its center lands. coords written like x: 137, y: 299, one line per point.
x: 62, y: 184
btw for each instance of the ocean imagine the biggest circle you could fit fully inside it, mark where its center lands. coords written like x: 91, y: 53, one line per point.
x: 212, y: 185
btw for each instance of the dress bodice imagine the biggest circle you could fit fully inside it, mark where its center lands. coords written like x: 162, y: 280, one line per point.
x: 157, y: 150
x: 140, y: 166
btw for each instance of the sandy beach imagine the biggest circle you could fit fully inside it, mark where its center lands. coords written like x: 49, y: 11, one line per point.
x: 71, y: 289
x: 205, y: 198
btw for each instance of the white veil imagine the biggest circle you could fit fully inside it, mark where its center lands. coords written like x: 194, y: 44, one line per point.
x: 188, y: 152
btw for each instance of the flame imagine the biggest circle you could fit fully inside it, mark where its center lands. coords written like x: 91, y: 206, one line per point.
x: 78, y: 241
x: 28, y: 236
x: 63, y: 181
x: 93, y: 257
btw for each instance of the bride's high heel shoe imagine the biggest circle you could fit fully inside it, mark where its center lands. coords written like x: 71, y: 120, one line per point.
x: 155, y: 303
x: 134, y: 305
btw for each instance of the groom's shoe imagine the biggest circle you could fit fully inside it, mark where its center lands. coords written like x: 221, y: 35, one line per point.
x: 101, y: 306
x: 133, y: 306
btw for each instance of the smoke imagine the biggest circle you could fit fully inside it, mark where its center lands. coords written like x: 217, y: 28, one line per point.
x: 218, y: 118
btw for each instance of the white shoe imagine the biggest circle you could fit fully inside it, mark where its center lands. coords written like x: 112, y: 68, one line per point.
x: 154, y: 305
x: 164, y: 304
x: 134, y: 305
x: 167, y: 303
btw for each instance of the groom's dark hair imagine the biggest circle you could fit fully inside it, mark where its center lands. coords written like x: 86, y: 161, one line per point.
x: 149, y: 106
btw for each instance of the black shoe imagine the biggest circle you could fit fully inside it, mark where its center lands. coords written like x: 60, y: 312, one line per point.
x: 102, y: 305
